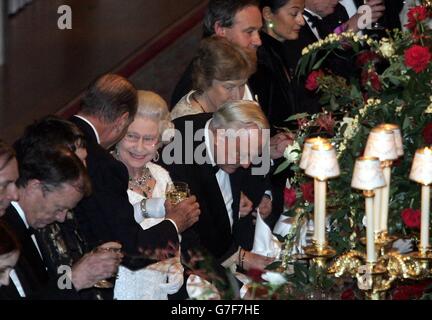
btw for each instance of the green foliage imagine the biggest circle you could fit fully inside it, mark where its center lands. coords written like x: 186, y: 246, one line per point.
x: 403, y: 97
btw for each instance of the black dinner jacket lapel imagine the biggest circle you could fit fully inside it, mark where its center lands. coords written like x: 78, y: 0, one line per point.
x: 30, y: 267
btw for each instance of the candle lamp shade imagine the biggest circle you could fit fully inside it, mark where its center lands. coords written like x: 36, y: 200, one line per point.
x: 381, y: 143
x: 307, y: 147
x: 322, y: 162
x: 397, y: 134
x: 367, y: 174
x: 421, y: 169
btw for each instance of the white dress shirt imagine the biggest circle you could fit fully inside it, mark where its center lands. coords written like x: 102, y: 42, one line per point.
x: 222, y: 177
x: 350, y: 7
x: 13, y: 276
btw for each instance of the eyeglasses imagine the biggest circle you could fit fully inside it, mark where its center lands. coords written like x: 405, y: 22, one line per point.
x: 146, y: 140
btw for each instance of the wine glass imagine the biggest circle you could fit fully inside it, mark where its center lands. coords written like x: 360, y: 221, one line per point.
x: 177, y: 191
x: 106, y: 283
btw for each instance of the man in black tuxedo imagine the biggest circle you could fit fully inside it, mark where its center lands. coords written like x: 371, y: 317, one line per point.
x: 215, y: 171
x: 108, y: 107
x: 322, y: 18
x: 50, y: 184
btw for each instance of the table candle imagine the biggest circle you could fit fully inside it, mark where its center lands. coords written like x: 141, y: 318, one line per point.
x: 425, y: 209
x: 370, y: 230
x: 321, y: 212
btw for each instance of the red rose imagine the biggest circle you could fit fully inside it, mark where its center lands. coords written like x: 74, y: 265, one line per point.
x: 366, y: 56
x: 417, y: 58
x: 375, y: 81
x: 410, y: 292
x: 411, y: 218
x: 302, y: 123
x: 289, y: 197
x: 371, y: 77
x: 348, y: 294
x: 255, y: 275
x: 308, y: 191
x: 312, y: 80
x: 415, y: 15
x: 427, y: 133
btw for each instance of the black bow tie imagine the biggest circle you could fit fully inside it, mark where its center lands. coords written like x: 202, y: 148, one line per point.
x: 31, y: 231
x: 313, y: 19
x: 215, y: 169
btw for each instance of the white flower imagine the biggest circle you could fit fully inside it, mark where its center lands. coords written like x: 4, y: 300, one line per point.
x: 274, y: 278
x: 292, y: 152
x: 350, y: 128
x: 429, y: 108
x: 386, y: 48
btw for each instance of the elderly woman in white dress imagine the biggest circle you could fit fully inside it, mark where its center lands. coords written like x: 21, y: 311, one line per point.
x: 220, y: 73
x: 147, y: 185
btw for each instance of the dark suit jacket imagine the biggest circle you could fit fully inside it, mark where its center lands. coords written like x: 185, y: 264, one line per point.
x: 107, y: 215
x: 30, y: 268
x: 212, y: 232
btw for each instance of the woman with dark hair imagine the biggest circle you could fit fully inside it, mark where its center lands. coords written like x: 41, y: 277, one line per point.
x: 8, y: 176
x: 51, y: 131
x: 272, y: 82
x: 220, y: 72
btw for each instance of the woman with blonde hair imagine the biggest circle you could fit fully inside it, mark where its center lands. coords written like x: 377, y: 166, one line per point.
x: 220, y: 72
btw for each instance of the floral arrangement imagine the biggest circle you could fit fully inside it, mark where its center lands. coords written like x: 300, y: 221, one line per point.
x: 393, y: 85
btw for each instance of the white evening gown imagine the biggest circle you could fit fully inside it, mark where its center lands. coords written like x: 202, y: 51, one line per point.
x: 158, y: 280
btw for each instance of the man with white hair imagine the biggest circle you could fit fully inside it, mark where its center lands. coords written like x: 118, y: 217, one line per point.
x: 224, y: 145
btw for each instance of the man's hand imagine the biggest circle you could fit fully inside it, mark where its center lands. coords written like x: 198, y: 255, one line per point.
x: 255, y: 261
x: 245, y: 205
x: 378, y: 9
x: 265, y: 206
x: 184, y: 214
x: 278, y: 144
x: 101, y: 263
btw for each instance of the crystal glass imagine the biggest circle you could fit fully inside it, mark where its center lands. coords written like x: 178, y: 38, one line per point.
x: 106, y: 283
x: 177, y: 191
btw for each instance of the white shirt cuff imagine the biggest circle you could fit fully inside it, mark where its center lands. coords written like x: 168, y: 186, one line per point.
x: 269, y: 194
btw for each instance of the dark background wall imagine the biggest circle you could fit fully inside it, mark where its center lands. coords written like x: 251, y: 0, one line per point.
x: 47, y: 68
